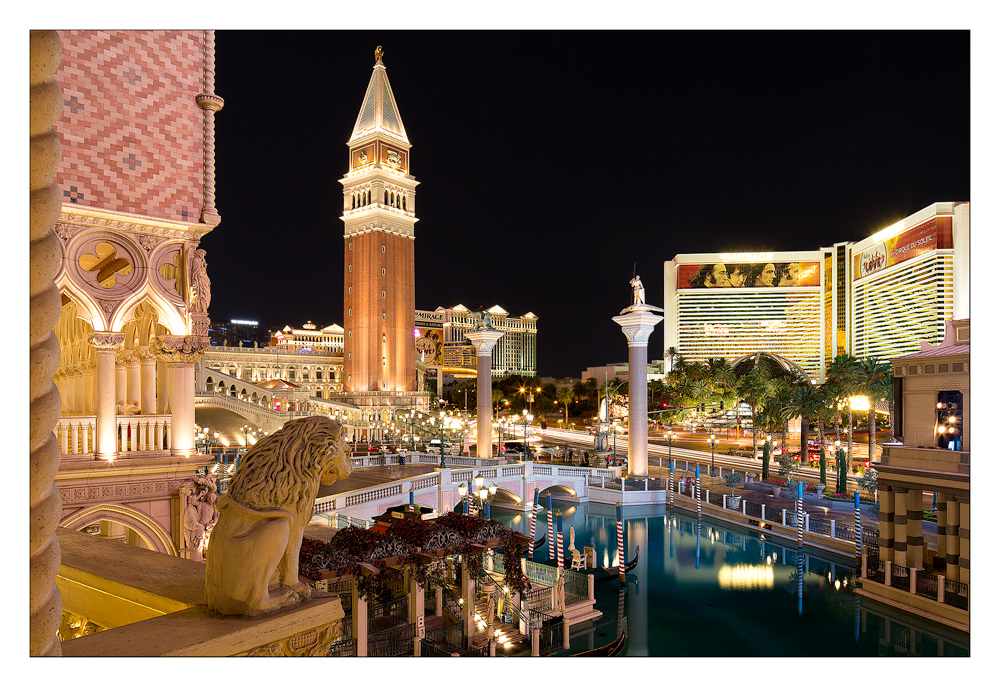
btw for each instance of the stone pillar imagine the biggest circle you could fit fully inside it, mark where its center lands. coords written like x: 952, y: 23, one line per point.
x: 637, y: 323
x: 89, y: 386
x: 942, y: 531
x: 359, y: 619
x: 952, y: 545
x: 121, y: 379
x: 886, y: 540
x: 899, y: 525
x: 106, y: 343
x: 45, y: 254
x: 147, y: 382
x: 179, y: 354
x: 133, y: 384
x: 468, y: 603
x: 162, y: 399
x: 71, y: 375
x: 964, y: 550
x: 484, y: 340
x: 915, y: 529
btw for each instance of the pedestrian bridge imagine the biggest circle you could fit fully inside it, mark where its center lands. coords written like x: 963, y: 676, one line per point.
x: 438, y: 488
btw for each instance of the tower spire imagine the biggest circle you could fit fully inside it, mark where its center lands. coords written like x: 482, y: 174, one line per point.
x: 379, y: 114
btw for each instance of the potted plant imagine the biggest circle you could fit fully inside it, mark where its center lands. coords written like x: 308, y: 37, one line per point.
x: 733, y: 480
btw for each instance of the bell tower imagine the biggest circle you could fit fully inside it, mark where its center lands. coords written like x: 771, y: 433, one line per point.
x: 379, y: 194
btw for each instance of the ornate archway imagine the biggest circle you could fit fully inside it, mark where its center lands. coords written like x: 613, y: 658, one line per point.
x: 150, y: 531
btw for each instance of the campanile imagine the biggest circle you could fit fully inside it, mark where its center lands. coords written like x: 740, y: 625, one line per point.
x: 379, y: 194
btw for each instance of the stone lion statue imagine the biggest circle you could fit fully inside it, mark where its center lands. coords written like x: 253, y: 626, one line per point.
x: 253, y: 558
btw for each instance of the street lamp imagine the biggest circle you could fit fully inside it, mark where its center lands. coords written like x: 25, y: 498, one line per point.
x: 670, y: 447
x: 527, y: 418
x: 713, y: 442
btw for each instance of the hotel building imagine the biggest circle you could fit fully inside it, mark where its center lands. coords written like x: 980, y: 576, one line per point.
x: 878, y: 297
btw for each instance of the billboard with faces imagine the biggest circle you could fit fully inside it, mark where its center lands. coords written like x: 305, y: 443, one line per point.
x: 748, y: 275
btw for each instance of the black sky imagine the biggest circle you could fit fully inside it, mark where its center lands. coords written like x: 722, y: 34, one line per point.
x: 550, y: 163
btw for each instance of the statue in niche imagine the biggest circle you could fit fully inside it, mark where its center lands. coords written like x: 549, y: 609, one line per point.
x: 638, y: 292
x: 201, y: 285
x: 200, y: 514
x: 253, y: 562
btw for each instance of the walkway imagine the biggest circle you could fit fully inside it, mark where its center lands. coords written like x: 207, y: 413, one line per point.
x: 363, y: 478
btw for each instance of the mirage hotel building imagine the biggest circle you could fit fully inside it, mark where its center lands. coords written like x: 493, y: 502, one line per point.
x: 878, y: 297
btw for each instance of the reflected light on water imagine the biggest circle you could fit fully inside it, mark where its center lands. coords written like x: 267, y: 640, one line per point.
x: 746, y: 577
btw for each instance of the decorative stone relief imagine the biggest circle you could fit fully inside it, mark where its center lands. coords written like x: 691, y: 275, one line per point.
x: 262, y: 517
x: 314, y: 642
x: 148, y: 242
x: 66, y: 231
x: 106, y: 340
x: 178, y: 349
x: 107, y: 306
x: 201, y: 285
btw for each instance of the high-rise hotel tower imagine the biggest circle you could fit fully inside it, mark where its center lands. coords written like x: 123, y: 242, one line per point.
x: 378, y: 246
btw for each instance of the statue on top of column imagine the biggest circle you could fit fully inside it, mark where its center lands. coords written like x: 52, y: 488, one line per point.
x: 638, y: 292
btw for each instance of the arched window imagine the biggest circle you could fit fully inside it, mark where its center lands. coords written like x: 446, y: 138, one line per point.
x: 386, y: 197
x: 383, y: 247
x: 383, y: 270
x: 354, y: 201
x: 404, y: 202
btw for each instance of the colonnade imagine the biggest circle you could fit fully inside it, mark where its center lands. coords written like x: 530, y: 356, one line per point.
x: 901, y: 539
x: 148, y: 380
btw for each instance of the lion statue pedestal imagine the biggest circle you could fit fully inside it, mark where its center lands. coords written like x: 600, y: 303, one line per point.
x: 253, y: 558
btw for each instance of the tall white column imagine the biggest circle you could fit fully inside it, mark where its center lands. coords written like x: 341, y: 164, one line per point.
x: 179, y: 354
x: 121, y: 379
x: 637, y: 323
x: 133, y: 391
x: 147, y: 383
x: 89, y: 387
x: 484, y: 340
x: 107, y: 344
x: 71, y: 374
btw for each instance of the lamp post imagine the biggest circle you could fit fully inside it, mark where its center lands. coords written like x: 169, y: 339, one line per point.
x: 713, y: 442
x: 670, y: 447
x: 441, y: 424
x: 526, y: 420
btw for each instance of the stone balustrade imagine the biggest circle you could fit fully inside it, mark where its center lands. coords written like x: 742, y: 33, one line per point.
x: 134, y: 433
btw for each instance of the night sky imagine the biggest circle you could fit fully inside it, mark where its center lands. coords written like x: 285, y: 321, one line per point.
x: 552, y: 164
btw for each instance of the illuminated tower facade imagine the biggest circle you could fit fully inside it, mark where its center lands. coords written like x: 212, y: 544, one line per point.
x: 378, y: 219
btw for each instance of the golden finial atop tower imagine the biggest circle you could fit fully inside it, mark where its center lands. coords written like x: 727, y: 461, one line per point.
x: 378, y: 54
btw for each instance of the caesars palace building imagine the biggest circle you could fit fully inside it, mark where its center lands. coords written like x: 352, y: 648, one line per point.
x: 878, y: 297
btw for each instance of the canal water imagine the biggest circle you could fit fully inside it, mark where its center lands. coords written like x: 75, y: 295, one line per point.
x: 708, y: 589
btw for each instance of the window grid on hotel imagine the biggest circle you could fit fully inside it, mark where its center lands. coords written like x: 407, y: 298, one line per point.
x: 729, y: 324
x: 896, y: 310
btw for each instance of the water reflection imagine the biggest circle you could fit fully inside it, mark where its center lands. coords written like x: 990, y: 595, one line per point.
x: 703, y: 589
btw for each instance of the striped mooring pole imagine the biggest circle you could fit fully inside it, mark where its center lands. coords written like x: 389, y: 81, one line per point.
x: 697, y: 482
x: 622, y: 555
x: 799, y: 515
x: 411, y: 498
x: 559, y: 541
x: 671, y: 485
x: 552, y: 530
x: 531, y: 543
x: 857, y: 532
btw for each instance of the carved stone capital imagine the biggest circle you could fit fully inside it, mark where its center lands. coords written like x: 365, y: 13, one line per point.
x: 484, y: 340
x: 637, y: 326
x: 143, y: 354
x: 200, y: 325
x: 178, y: 349
x: 209, y: 101
x: 106, y: 342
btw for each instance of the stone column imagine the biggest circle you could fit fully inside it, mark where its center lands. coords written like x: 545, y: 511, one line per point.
x: 71, y: 373
x: 179, y: 354
x: 964, y: 550
x: 886, y: 540
x: 121, y: 379
x: 162, y: 400
x: 469, y: 603
x: 637, y: 323
x: 107, y: 344
x: 899, y: 525
x: 952, y: 545
x: 89, y: 385
x: 147, y: 383
x: 133, y: 384
x: 416, y: 608
x: 915, y: 529
x: 209, y: 103
x: 942, y: 531
x: 484, y: 341
x: 45, y: 253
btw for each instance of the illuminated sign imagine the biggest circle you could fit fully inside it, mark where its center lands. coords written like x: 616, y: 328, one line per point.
x: 429, y: 345
x: 897, y: 249
x: 745, y: 257
x: 250, y: 322
x: 747, y: 275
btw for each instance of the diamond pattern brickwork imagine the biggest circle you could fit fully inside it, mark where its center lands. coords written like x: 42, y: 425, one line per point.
x: 131, y: 130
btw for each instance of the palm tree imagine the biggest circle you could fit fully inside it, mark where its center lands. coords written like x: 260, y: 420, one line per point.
x: 497, y: 395
x: 565, y: 396
x: 723, y: 380
x: 802, y: 401
x: 841, y: 376
x: 672, y: 353
x: 755, y: 388
x: 873, y: 379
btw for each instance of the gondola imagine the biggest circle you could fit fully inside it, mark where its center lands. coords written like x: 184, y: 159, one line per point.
x: 538, y: 544
x: 602, y: 575
x: 611, y: 649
